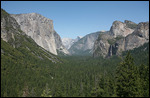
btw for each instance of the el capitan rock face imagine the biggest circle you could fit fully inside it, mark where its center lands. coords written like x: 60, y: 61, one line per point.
x: 16, y: 44
x: 120, y: 38
x: 41, y: 30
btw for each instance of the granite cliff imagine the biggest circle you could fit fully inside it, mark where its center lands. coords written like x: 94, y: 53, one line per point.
x: 17, y: 46
x: 41, y: 30
x: 121, y: 37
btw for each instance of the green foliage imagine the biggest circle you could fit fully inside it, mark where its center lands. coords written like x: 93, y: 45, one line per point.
x: 140, y: 54
x: 127, y: 78
x: 25, y: 63
x: 97, y: 92
x: 46, y: 92
x: 144, y: 80
x: 76, y: 76
x: 132, y: 26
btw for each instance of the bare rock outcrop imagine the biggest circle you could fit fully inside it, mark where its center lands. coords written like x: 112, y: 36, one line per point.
x: 120, y: 29
x: 41, y: 30
x: 121, y: 38
x: 9, y: 26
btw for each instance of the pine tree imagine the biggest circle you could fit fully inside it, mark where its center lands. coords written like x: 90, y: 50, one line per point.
x: 97, y: 92
x: 46, y: 92
x: 32, y: 93
x: 127, y: 85
x: 144, y: 80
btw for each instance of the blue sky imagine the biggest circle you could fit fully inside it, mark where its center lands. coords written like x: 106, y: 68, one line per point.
x: 78, y: 18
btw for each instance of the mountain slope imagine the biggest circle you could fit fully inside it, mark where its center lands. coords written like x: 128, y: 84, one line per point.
x: 22, y: 60
x: 41, y: 30
x: 140, y: 54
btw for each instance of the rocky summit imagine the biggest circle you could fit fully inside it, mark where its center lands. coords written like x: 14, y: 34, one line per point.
x: 121, y: 37
x: 41, y: 30
x: 120, y: 28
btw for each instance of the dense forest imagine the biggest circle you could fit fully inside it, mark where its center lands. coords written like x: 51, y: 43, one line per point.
x: 75, y: 76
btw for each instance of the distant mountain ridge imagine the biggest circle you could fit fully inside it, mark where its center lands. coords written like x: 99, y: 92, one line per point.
x: 68, y: 42
x: 122, y: 36
x: 84, y: 46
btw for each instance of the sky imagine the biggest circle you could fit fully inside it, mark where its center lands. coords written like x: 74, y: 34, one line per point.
x: 79, y: 18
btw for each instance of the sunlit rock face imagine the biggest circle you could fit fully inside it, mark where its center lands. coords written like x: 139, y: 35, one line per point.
x: 121, y: 37
x: 120, y: 28
x: 138, y: 37
x: 41, y: 30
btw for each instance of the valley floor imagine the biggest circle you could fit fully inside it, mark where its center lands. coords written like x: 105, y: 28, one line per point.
x: 76, y: 76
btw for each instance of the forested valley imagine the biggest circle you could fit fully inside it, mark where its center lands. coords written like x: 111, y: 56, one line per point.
x: 74, y: 49
x: 75, y: 76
